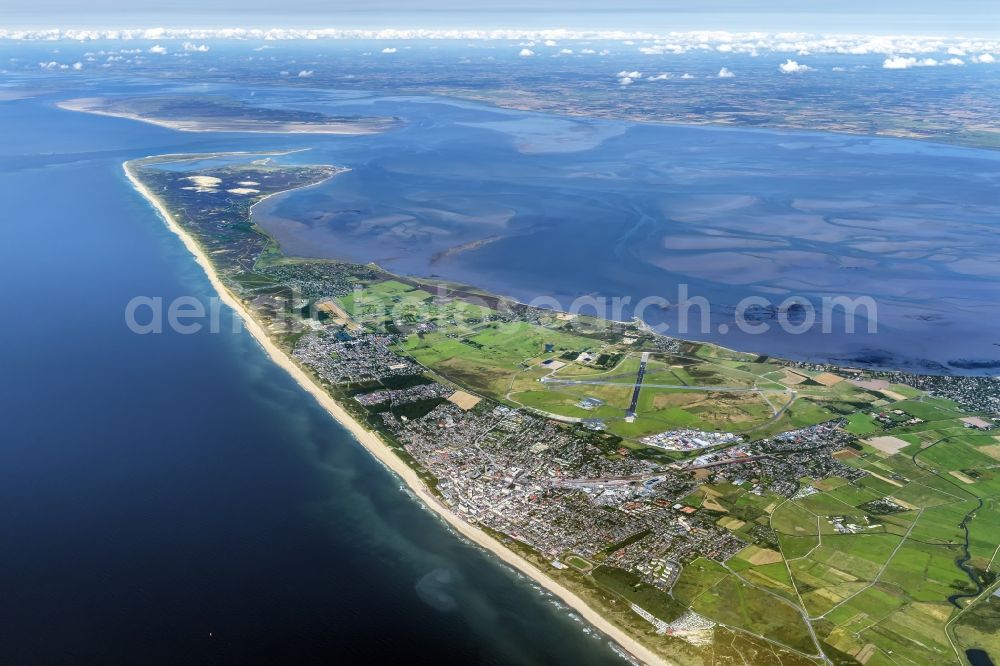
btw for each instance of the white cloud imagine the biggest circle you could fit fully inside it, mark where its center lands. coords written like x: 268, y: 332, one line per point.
x: 628, y: 78
x: 305, y: 73
x: 687, y: 76
x: 669, y: 42
x: 566, y: 51
x: 724, y: 73
x: 389, y: 49
x: 896, y: 51
x: 78, y: 66
x: 792, y: 67
x: 839, y: 69
x: 660, y: 77
x: 899, y: 62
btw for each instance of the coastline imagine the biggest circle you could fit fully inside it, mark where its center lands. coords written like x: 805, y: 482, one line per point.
x: 381, y: 451
x: 192, y: 126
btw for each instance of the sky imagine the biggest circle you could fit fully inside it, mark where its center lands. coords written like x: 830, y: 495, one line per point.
x: 685, y: 6
x: 874, y: 16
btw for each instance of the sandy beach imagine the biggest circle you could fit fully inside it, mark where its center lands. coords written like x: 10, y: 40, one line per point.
x: 384, y: 454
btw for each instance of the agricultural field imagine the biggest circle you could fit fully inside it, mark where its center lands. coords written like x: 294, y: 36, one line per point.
x: 878, y: 589
x: 869, y: 567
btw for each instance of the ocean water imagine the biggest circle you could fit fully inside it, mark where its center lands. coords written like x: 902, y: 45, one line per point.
x: 176, y: 498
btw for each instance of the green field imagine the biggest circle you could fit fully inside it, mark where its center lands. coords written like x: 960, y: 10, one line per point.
x: 630, y: 588
x: 866, y: 594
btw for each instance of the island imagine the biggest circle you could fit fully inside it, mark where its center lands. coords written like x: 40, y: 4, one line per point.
x: 218, y: 113
x: 696, y: 504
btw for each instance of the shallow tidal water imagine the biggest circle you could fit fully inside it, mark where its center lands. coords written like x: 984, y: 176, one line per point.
x: 539, y: 206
